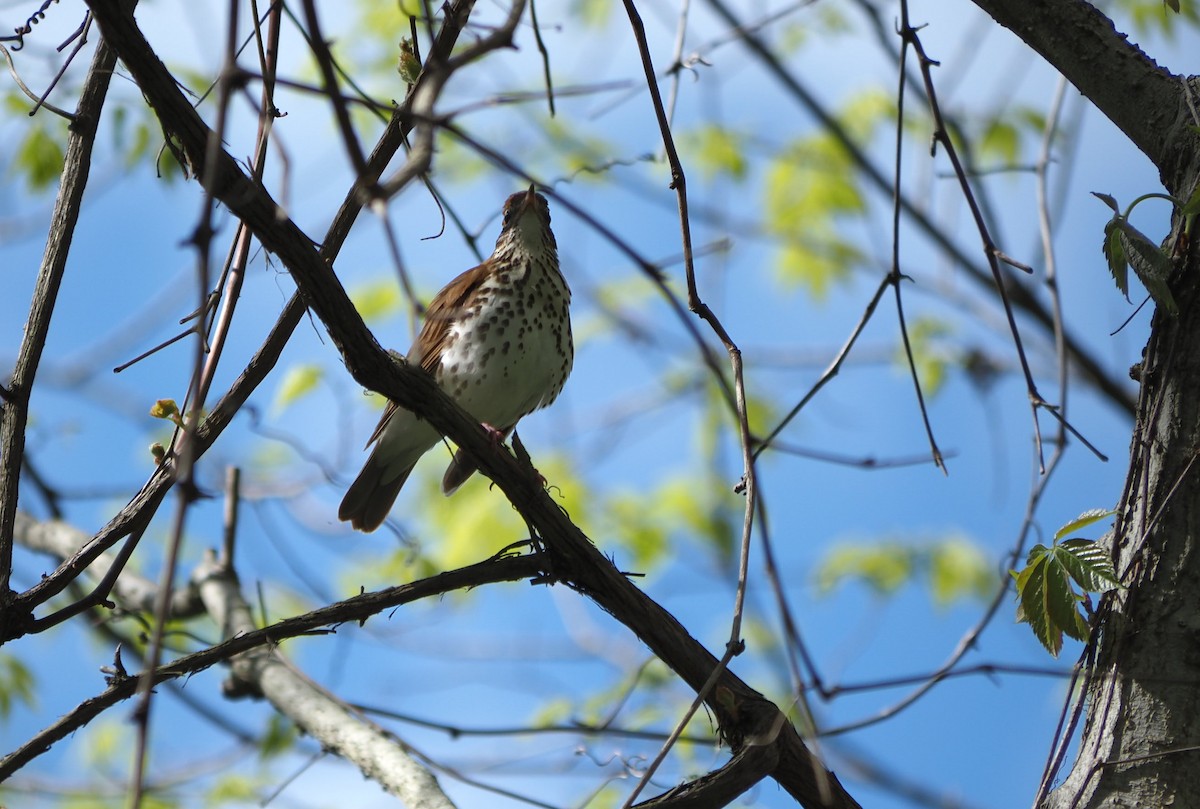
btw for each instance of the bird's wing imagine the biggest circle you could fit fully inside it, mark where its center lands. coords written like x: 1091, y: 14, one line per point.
x: 431, y: 342
x: 446, y: 306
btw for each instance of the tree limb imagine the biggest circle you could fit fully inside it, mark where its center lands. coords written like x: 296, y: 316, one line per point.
x: 742, y: 713
x: 264, y: 671
x: 76, y: 166
x: 1078, y: 40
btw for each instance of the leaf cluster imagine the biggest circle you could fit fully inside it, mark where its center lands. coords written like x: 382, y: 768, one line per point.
x: 1125, y: 246
x: 1046, y: 587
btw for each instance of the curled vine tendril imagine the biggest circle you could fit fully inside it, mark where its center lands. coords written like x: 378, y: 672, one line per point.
x: 27, y: 28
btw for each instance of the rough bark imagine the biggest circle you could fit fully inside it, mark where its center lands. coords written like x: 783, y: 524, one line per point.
x: 1140, y: 744
x: 1140, y: 741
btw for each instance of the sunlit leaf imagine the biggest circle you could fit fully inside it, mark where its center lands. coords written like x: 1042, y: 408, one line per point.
x: 1160, y: 16
x: 232, y: 787
x: 39, y: 157
x: 959, y: 569
x: 719, y: 151
x: 1036, y: 589
x: 280, y: 737
x: 1089, y: 517
x: 377, y: 299
x: 1001, y: 139
x: 1047, y: 601
x: 809, y: 186
x: 593, y: 13
x: 930, y: 354
x: 884, y: 567
x: 1090, y: 564
x: 298, y: 382
x: 580, y: 151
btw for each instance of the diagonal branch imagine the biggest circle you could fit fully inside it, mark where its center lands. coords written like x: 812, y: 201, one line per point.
x: 743, y: 714
x: 1141, y: 98
x: 15, y: 412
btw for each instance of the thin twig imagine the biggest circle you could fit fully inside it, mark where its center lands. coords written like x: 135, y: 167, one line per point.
x: 734, y: 645
x: 942, y: 137
x: 320, y: 51
x: 895, y: 276
x: 76, y: 166
x: 42, y: 103
x: 205, y: 359
x: 541, y: 46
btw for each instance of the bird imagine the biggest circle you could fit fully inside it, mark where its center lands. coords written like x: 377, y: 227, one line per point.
x: 497, y: 339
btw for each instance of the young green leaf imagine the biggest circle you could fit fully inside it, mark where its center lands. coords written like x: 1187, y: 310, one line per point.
x: 1152, y: 266
x: 1192, y: 206
x: 1089, y: 564
x: 1032, y: 592
x: 1108, y: 200
x: 299, y: 381
x: 1046, y: 599
x: 1092, y: 515
x: 1114, y: 254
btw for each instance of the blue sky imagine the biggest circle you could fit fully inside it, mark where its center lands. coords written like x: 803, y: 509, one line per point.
x: 496, y: 658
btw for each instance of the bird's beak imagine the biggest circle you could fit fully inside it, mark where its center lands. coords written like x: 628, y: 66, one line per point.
x: 530, y: 196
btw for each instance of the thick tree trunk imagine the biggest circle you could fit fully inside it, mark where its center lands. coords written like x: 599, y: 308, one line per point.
x: 1140, y: 743
x: 1141, y: 740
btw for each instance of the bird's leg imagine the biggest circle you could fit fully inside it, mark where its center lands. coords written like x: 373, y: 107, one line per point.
x: 497, y: 436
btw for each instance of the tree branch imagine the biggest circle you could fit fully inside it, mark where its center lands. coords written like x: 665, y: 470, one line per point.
x: 1079, y: 41
x: 265, y: 672
x: 76, y: 166
x: 742, y: 713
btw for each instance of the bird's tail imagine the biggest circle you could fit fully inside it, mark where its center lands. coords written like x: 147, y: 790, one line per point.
x: 369, y: 498
x: 461, y: 467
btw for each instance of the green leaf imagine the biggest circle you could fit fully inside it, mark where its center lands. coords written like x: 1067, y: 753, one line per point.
x: 1153, y: 267
x: 299, y: 381
x: 39, y: 156
x: 376, y: 300
x: 167, y: 410
x: 1085, y: 519
x: 233, y: 788
x: 955, y: 566
x: 1002, y: 139
x: 1046, y: 600
x: 884, y: 567
x: 280, y: 737
x: 1114, y: 254
x: 930, y: 354
x: 1090, y: 565
x: 593, y: 13
x: 1038, y: 588
x: 16, y: 684
x: 1192, y: 206
x: 1108, y: 200
x: 809, y: 187
x: 719, y: 151
x: 579, y: 151
x: 959, y: 569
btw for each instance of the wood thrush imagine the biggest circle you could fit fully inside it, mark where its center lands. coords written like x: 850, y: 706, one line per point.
x: 497, y: 339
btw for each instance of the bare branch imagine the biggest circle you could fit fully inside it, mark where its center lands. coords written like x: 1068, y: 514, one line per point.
x: 76, y: 167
